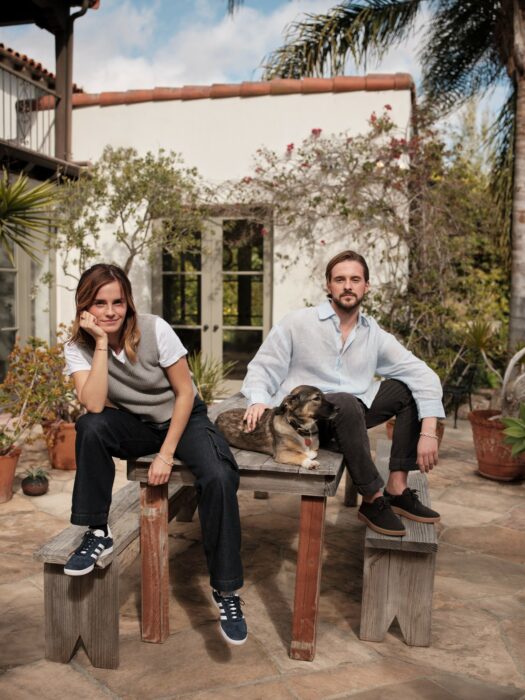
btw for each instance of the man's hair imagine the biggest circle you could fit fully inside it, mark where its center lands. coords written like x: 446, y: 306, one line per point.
x: 346, y: 255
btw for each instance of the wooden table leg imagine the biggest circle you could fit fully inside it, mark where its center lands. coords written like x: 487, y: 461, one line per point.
x: 308, y: 577
x: 154, y: 560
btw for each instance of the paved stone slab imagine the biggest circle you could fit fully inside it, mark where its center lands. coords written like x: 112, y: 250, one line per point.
x: 184, y: 663
x: 349, y: 678
x: 25, y: 532
x: 502, y: 542
x: 463, y: 688
x: 45, y: 680
x: 22, y: 624
x: 420, y: 689
x: 255, y: 691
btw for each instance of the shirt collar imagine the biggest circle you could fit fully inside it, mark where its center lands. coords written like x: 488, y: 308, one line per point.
x: 326, y: 310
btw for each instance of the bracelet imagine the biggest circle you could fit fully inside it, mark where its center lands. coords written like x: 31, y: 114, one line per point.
x: 102, y: 349
x: 429, y: 435
x: 169, y: 463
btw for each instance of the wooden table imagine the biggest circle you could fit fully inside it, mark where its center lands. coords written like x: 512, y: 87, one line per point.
x: 258, y: 472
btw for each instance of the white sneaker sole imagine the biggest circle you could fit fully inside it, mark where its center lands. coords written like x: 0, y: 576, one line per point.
x: 89, y: 569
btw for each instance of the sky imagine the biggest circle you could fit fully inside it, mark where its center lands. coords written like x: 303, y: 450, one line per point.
x: 138, y: 44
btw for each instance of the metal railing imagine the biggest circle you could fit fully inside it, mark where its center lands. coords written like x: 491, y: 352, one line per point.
x: 27, y: 112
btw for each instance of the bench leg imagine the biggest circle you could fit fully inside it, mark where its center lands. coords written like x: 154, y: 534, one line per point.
x: 85, y: 607
x: 154, y: 561
x: 350, y: 499
x: 308, y: 577
x: 397, y: 584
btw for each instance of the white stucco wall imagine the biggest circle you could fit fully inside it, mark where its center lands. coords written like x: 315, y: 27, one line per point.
x: 220, y: 137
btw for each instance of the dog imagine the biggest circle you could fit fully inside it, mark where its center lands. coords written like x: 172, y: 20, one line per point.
x: 289, y: 432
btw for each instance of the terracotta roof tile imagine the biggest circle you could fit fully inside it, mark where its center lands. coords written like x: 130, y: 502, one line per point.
x: 28, y: 66
x: 306, y: 86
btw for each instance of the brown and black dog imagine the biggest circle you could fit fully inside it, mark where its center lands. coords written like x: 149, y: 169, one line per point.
x: 289, y: 432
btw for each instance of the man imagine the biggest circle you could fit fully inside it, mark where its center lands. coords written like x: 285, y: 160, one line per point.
x: 340, y: 350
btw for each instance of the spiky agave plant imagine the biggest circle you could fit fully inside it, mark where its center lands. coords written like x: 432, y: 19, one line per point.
x: 25, y: 213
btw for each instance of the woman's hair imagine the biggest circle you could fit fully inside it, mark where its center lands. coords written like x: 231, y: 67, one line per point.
x: 346, y: 255
x: 88, y: 286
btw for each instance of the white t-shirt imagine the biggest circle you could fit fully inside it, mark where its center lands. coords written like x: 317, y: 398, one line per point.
x: 170, y: 350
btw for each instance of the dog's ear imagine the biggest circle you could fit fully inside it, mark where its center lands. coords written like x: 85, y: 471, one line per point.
x: 286, y: 405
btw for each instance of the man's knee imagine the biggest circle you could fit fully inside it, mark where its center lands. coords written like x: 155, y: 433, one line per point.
x: 347, y: 404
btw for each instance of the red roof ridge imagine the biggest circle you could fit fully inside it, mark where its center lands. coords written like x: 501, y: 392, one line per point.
x: 278, y: 86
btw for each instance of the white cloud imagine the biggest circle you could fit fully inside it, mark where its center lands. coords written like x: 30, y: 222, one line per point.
x: 115, y: 46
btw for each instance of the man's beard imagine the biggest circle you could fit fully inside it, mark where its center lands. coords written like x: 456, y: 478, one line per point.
x: 354, y: 303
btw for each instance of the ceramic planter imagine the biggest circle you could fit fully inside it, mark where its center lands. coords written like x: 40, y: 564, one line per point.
x: 60, y: 439
x: 493, y: 455
x: 8, y: 464
x: 35, y: 485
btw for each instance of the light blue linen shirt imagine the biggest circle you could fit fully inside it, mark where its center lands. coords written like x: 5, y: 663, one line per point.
x: 306, y: 348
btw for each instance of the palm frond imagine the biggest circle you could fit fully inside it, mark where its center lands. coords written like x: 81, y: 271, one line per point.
x: 501, y: 144
x: 233, y: 5
x: 322, y: 43
x: 25, y: 216
x: 461, y: 58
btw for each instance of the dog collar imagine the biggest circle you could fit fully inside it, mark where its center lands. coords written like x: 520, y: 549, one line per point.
x: 302, y: 431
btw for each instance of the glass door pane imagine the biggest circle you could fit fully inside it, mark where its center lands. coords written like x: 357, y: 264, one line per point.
x: 182, y: 295
x: 242, y: 292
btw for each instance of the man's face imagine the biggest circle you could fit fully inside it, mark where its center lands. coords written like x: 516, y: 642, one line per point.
x: 347, y: 285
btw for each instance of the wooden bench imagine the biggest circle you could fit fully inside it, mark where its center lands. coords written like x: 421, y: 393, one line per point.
x: 398, y: 577
x: 258, y: 472
x: 86, y: 608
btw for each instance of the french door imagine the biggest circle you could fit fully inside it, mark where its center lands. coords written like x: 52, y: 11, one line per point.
x: 217, y: 296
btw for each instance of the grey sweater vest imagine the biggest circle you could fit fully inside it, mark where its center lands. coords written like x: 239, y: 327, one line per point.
x: 140, y: 387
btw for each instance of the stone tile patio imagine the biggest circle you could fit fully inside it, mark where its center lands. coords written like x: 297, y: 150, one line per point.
x: 478, y: 645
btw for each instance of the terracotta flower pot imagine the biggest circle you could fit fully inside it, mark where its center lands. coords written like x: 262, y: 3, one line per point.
x: 440, y: 430
x: 8, y: 464
x: 60, y: 439
x: 493, y: 455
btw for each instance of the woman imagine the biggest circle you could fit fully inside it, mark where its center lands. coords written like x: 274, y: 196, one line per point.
x: 131, y: 375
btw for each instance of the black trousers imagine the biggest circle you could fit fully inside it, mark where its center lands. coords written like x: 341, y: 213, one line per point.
x: 349, y: 431
x: 115, y: 433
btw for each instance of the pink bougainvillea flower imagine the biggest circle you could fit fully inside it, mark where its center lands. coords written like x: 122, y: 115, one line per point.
x: 264, y: 231
x: 322, y: 241
x: 247, y: 179
x: 316, y: 133
x: 373, y: 117
x: 290, y: 147
x: 388, y: 107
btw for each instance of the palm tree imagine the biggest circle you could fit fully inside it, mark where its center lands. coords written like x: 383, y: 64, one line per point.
x: 25, y: 216
x: 469, y: 47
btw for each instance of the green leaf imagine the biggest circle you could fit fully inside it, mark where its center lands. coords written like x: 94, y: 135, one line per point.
x: 518, y: 448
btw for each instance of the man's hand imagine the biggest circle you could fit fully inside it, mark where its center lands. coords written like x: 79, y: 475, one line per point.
x: 253, y: 415
x: 427, y: 453
x: 159, y: 472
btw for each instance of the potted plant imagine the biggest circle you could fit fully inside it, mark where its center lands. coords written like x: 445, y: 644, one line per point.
x: 18, y: 417
x: 209, y: 375
x: 35, y: 481
x: 496, y: 459
x: 52, y: 401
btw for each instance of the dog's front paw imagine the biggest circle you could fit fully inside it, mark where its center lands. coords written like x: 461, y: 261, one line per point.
x: 309, y: 463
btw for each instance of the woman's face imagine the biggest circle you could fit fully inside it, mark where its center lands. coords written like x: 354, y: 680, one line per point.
x: 109, y: 308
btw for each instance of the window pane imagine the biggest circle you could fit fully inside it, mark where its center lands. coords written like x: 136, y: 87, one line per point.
x: 190, y: 338
x: 4, y: 258
x: 7, y: 340
x: 7, y: 295
x: 189, y: 261
x: 240, y: 346
x: 181, y: 299
x: 242, y: 300
x: 242, y: 246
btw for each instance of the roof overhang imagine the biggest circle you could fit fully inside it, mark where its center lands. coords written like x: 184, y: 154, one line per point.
x: 39, y: 166
x: 47, y: 14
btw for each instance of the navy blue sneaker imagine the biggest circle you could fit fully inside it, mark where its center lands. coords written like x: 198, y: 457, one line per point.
x: 232, y: 622
x: 95, y: 545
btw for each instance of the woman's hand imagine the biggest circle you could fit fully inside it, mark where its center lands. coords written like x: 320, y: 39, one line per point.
x: 427, y: 453
x: 89, y: 323
x: 253, y: 415
x: 159, y: 471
